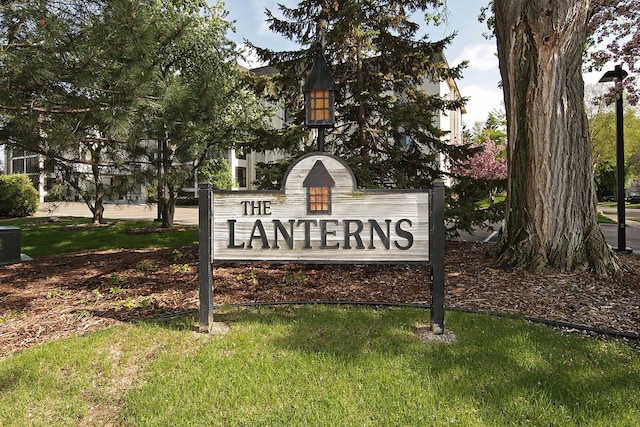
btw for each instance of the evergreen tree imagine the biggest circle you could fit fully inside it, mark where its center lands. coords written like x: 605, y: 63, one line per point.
x: 72, y: 72
x: 385, y: 122
x: 200, y: 100
x: 86, y: 83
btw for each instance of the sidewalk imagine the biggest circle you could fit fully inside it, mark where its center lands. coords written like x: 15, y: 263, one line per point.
x: 135, y: 211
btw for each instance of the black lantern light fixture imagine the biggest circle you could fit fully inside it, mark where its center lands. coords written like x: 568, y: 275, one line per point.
x: 618, y: 75
x: 319, y: 97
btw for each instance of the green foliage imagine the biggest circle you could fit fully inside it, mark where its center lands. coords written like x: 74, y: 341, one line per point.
x: 145, y: 90
x: 218, y: 172
x: 494, y: 128
x: 187, y: 201
x: 177, y: 269
x: 324, y: 366
x: 606, y: 178
x: 297, y: 278
x: 57, y: 193
x: 116, y: 279
x: 602, y: 126
x: 386, y: 129
x: 18, y: 197
x: 270, y: 175
x: 463, y: 210
x: 146, y: 266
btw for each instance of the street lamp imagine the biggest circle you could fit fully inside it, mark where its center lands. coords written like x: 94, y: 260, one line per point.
x: 618, y: 75
x: 319, y: 98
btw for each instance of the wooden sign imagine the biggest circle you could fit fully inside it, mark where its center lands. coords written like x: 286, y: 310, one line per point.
x: 320, y: 216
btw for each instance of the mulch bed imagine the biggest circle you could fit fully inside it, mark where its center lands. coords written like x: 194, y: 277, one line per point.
x: 58, y: 296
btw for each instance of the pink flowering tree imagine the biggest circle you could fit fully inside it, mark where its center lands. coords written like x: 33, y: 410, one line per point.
x: 482, y: 176
x: 614, y: 37
x: 489, y: 164
x: 487, y: 167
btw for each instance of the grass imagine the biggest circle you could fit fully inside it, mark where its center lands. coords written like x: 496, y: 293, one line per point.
x: 323, y: 366
x: 485, y: 203
x: 615, y: 204
x: 605, y: 220
x: 44, y: 238
x: 310, y: 365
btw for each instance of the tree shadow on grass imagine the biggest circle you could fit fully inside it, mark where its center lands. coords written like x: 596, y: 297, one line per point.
x: 507, y: 370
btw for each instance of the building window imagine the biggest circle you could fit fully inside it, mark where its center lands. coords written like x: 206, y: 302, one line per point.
x: 17, y: 165
x: 320, y: 106
x: 319, y: 200
x: 27, y: 163
x: 32, y: 165
x: 241, y: 176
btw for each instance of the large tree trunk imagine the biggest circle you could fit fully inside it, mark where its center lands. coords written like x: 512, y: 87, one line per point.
x: 551, y: 218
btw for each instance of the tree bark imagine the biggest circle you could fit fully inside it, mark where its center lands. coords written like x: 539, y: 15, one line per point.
x: 97, y: 209
x: 169, y: 209
x: 551, y: 217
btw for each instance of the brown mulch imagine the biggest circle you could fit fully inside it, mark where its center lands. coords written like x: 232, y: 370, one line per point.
x: 58, y: 296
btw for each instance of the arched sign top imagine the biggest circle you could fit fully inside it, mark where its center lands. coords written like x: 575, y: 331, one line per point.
x: 319, y: 170
x: 319, y: 216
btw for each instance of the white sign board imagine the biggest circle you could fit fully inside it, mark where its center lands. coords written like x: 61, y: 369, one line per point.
x: 320, y: 216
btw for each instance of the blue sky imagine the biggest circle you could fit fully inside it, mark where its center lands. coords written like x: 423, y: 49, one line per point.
x: 480, y: 79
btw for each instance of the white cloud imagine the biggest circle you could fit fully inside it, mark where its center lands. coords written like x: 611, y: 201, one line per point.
x: 481, y: 57
x: 248, y: 57
x: 481, y: 102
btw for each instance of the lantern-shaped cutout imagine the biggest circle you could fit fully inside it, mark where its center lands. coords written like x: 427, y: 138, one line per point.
x: 318, y: 184
x: 319, y: 95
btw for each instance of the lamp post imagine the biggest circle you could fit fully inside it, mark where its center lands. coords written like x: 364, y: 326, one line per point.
x: 617, y: 75
x: 319, y: 97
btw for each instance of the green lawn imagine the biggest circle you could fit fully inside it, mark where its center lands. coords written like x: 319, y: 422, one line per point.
x: 309, y: 365
x: 323, y: 366
x: 614, y: 204
x: 70, y: 235
x: 605, y: 220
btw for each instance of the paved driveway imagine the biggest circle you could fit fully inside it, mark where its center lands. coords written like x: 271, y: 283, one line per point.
x: 137, y: 211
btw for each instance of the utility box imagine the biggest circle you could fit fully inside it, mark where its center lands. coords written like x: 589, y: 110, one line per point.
x: 9, y: 245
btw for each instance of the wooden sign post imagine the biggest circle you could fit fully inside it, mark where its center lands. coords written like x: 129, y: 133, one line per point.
x: 321, y: 217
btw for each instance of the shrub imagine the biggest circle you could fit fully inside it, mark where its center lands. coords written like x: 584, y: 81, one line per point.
x: 18, y: 197
x: 186, y: 201
x: 218, y: 172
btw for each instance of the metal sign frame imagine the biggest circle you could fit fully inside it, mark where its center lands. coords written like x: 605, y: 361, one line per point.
x: 216, y: 212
